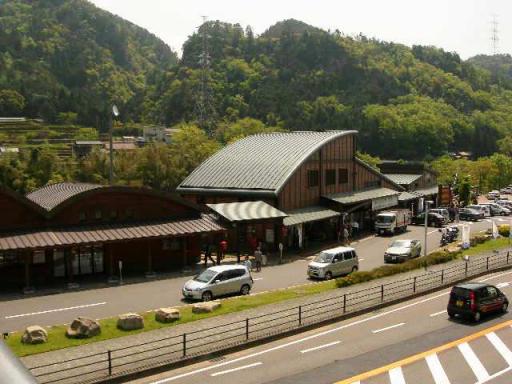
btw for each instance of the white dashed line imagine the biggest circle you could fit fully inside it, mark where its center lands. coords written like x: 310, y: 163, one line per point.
x: 388, y: 328
x: 54, y: 310
x: 320, y: 347
x: 437, y: 313
x: 236, y: 369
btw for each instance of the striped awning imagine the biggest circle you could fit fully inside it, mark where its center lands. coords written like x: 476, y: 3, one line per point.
x: 426, y: 191
x: 247, y: 211
x: 107, y: 233
x: 309, y: 214
x: 407, y: 196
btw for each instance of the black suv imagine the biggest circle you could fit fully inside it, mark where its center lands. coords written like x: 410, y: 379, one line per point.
x: 434, y: 219
x: 470, y: 214
x: 472, y: 300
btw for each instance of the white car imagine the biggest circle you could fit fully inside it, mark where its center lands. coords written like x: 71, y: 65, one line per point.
x: 402, y: 250
x: 333, y: 262
x: 217, y: 281
x: 493, y: 195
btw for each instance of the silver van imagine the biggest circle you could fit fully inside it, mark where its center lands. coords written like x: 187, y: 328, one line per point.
x: 333, y: 262
x: 485, y: 209
x: 219, y: 281
x: 443, y: 212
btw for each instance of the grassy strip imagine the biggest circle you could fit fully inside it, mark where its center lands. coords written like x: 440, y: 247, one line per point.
x: 58, y: 340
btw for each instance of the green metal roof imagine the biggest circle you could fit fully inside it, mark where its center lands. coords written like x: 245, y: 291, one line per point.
x: 306, y: 215
x: 406, y: 196
x: 348, y: 198
x: 402, y: 178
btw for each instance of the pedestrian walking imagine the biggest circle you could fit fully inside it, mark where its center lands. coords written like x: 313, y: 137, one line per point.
x: 247, y: 263
x: 345, y: 236
x: 208, y: 255
x: 258, y: 258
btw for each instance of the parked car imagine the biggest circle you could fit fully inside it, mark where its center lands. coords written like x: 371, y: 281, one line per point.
x: 497, y: 210
x: 434, y: 219
x: 442, y: 211
x: 472, y: 300
x: 470, y: 214
x: 493, y: 195
x: 333, y: 262
x: 506, y: 191
x: 219, y: 281
x: 504, y: 203
x: 402, y: 250
x: 485, y: 209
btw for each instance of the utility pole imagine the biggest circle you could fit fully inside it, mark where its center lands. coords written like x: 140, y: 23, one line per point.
x: 204, y: 109
x: 114, y: 113
x: 494, y: 35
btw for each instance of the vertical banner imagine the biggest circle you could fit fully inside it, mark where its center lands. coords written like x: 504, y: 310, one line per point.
x: 495, y: 232
x: 466, y: 232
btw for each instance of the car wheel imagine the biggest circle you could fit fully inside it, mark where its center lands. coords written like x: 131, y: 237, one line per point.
x: 245, y: 289
x: 451, y: 315
x: 477, y: 316
x: 504, y: 308
x: 207, y: 296
x: 328, y: 275
x: 354, y: 269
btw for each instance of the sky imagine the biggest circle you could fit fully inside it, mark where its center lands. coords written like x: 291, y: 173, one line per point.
x: 462, y: 26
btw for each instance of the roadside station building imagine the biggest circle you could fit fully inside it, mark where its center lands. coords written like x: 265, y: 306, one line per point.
x: 66, y: 232
x: 290, y: 188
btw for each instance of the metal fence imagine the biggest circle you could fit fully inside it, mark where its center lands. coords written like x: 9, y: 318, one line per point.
x: 138, y: 357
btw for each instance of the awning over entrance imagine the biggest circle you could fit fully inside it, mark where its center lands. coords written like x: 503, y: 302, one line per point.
x: 407, y: 196
x: 107, y: 233
x: 426, y: 191
x: 380, y: 198
x: 306, y: 215
x: 247, y: 211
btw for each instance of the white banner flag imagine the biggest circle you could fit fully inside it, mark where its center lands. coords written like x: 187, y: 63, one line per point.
x: 466, y: 233
x: 495, y: 232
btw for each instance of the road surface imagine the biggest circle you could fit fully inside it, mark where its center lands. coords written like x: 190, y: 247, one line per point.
x: 411, y: 342
x: 105, y: 302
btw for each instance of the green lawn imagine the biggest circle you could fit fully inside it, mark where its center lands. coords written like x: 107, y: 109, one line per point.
x: 58, y: 340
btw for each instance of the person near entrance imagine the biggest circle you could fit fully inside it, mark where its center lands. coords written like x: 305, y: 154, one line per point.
x: 208, y: 255
x: 223, y: 247
x: 355, y: 228
x: 258, y: 258
x: 346, y: 235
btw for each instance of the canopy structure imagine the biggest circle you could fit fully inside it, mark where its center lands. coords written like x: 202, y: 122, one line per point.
x: 309, y: 214
x: 247, y: 211
x: 380, y: 198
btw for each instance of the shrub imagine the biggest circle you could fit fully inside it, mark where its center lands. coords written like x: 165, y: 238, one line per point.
x: 504, y: 230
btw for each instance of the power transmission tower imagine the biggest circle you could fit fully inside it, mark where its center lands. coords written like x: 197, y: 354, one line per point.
x: 204, y: 108
x: 494, y: 35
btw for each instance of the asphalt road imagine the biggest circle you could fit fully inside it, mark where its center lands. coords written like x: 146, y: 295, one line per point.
x: 100, y: 303
x: 411, y: 342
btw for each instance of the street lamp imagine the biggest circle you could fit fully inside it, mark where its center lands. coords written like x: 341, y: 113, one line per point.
x: 115, y: 112
x: 427, y: 203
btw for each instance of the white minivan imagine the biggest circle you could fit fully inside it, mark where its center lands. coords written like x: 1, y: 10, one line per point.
x: 333, y: 262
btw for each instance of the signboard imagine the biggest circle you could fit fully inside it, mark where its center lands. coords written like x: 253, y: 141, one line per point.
x: 445, y: 195
x: 384, y: 202
x: 269, y: 235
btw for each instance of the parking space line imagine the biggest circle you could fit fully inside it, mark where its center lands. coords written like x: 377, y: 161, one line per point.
x: 387, y: 328
x: 396, y: 376
x: 437, y: 369
x: 320, y: 347
x: 236, y: 369
x: 500, y: 347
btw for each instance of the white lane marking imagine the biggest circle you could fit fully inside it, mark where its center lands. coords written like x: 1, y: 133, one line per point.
x: 320, y: 347
x: 55, y: 310
x: 236, y: 369
x: 436, y: 369
x: 431, y: 232
x: 496, y: 276
x: 502, y: 285
x: 437, y: 313
x: 500, y: 347
x: 311, y: 337
x: 367, y: 238
x: 388, y: 328
x: 495, y: 375
x: 258, y: 278
x: 396, y: 376
x: 361, y: 259
x: 474, y: 363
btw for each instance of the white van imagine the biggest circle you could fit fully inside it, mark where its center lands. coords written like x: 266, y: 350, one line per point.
x: 333, y: 262
x: 485, y: 209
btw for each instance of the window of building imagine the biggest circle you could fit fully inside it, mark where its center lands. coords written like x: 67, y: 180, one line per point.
x: 97, y: 214
x: 113, y: 214
x: 82, y: 216
x: 313, y: 178
x: 342, y: 176
x: 129, y: 213
x: 372, y: 184
x: 330, y: 177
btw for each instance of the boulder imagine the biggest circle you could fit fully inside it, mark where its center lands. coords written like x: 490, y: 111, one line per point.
x: 130, y: 321
x: 167, y: 315
x: 34, y: 335
x: 83, y: 327
x: 206, y: 307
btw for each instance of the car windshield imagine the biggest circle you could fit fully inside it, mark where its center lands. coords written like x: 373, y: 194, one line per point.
x: 206, y: 276
x: 401, y: 244
x: 385, y: 219
x: 323, y: 257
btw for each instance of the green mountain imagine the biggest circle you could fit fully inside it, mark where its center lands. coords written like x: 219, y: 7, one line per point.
x: 411, y: 103
x: 500, y: 67
x: 60, y: 56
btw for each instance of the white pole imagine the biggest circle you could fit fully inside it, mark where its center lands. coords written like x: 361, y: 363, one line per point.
x: 426, y: 228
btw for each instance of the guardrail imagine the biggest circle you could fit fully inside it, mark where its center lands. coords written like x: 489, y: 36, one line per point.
x: 100, y: 367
